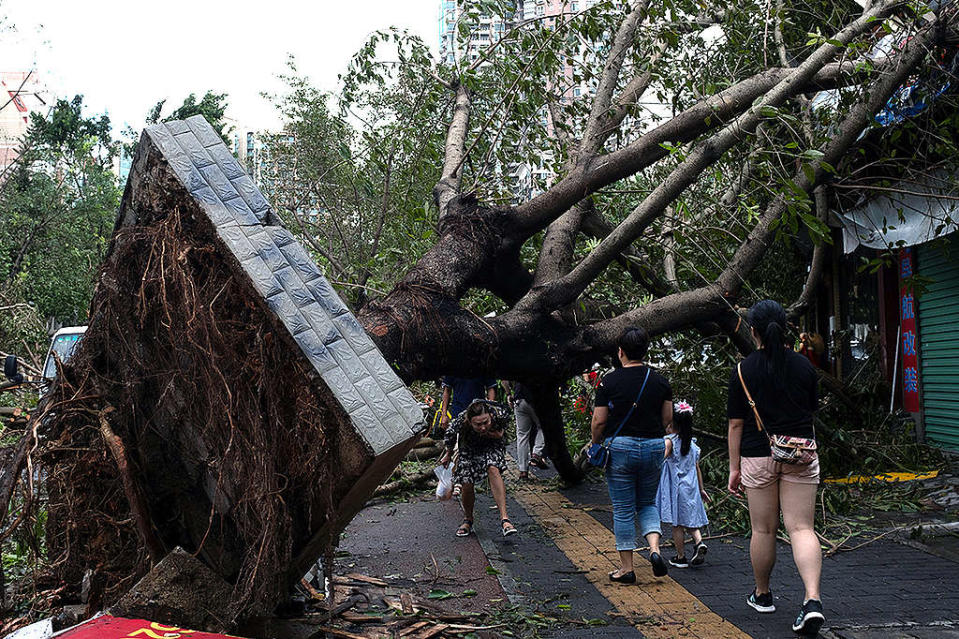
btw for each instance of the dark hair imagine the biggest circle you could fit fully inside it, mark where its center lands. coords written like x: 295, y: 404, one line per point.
x: 768, y: 318
x: 476, y: 409
x: 635, y: 342
x: 683, y: 424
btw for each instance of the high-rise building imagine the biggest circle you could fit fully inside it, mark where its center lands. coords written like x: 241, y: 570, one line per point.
x: 22, y: 95
x: 528, y: 178
x: 489, y: 30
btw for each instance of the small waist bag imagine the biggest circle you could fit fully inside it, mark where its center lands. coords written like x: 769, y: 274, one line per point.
x: 785, y: 449
x: 598, y: 454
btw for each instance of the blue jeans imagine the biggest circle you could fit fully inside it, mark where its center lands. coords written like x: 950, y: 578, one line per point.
x: 633, y: 477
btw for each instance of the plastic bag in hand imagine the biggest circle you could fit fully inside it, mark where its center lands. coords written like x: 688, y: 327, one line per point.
x: 444, y: 484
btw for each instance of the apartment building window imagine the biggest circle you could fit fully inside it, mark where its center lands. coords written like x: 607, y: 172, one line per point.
x: 574, y: 7
x: 539, y: 10
x: 576, y: 92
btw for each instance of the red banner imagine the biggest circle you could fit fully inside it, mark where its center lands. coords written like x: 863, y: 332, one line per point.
x: 908, y: 334
x: 107, y: 627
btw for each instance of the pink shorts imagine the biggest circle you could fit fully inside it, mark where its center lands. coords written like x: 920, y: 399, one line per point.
x: 760, y: 472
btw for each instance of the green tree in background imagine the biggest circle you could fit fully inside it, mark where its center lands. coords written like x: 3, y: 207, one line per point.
x: 360, y: 197
x: 211, y: 106
x: 58, y: 209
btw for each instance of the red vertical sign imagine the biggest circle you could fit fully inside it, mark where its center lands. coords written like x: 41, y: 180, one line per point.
x: 908, y: 334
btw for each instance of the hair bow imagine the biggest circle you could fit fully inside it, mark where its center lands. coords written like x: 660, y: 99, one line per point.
x: 682, y: 407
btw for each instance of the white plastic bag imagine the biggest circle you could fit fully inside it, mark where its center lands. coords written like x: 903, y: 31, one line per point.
x: 444, y: 484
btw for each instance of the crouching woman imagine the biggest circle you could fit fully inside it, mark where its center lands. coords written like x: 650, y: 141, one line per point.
x: 480, y: 432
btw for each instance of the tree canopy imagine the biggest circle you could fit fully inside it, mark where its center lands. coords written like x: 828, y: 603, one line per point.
x: 628, y: 163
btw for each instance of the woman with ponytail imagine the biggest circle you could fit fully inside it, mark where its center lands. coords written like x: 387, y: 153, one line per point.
x: 780, y: 387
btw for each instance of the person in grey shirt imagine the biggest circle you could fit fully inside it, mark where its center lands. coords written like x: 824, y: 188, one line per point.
x: 526, y: 422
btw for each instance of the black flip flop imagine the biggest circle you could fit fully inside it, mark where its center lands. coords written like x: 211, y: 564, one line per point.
x: 465, y: 529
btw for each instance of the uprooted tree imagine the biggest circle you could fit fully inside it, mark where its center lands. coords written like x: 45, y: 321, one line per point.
x: 685, y: 206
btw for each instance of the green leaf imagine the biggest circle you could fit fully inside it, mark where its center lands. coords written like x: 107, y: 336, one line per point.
x: 437, y: 593
x: 492, y: 571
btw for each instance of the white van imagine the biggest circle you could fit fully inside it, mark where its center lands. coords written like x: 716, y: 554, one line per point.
x: 63, y: 343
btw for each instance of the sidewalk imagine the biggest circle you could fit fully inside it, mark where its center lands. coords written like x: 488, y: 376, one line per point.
x: 558, y: 563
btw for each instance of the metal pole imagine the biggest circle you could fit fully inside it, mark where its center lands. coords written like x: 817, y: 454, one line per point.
x: 895, y: 370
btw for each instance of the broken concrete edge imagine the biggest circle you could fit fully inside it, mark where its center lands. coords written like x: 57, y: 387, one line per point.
x: 379, y: 405
x: 180, y: 591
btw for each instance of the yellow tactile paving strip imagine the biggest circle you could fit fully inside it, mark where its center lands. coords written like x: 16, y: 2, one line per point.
x: 657, y: 606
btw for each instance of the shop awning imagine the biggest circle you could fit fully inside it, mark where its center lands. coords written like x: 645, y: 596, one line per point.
x: 907, y: 214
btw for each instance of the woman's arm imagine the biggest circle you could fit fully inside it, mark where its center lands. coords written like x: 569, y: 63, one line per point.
x: 449, y: 439
x: 598, y: 424
x: 702, y: 488
x: 667, y: 413
x: 444, y: 407
x: 734, y: 439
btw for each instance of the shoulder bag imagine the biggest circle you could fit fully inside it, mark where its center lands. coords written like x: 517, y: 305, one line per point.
x: 785, y: 449
x: 598, y: 454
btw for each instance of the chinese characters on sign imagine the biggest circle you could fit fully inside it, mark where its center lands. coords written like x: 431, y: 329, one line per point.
x: 909, y: 343
x: 107, y: 627
x: 907, y: 310
x: 910, y: 380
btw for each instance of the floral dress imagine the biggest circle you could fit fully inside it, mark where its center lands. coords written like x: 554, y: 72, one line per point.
x: 477, y: 453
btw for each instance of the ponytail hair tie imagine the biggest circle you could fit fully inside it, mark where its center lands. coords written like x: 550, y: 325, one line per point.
x: 682, y: 407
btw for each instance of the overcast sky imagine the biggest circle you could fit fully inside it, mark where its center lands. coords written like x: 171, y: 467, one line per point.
x: 124, y: 56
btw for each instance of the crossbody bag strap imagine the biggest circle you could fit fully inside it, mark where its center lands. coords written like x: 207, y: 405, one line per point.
x: 633, y: 407
x: 749, y: 398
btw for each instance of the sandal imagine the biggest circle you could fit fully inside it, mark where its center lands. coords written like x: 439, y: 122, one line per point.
x: 465, y: 529
x: 625, y: 578
x: 508, y: 527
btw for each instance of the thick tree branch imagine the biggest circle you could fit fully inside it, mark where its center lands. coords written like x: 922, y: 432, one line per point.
x: 643, y: 273
x: 596, y: 125
x: 566, y: 289
x: 559, y: 243
x: 702, y: 117
x: 451, y: 177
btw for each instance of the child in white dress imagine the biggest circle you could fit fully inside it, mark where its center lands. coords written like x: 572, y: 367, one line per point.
x: 681, y: 493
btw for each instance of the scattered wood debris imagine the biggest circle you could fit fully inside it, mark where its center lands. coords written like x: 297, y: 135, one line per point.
x: 366, y: 607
